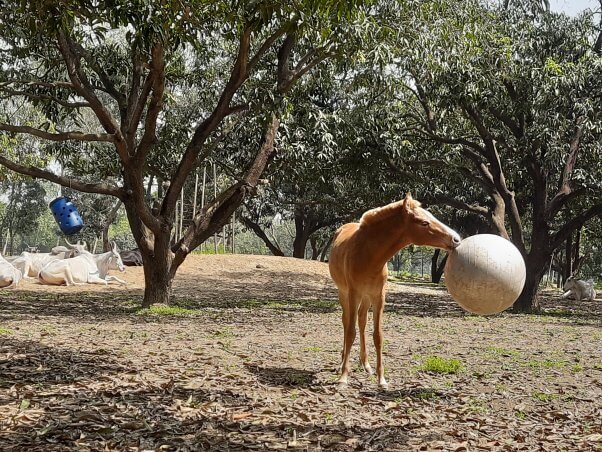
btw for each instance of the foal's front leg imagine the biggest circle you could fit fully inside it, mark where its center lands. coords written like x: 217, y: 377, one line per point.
x: 362, y: 320
x: 378, y: 307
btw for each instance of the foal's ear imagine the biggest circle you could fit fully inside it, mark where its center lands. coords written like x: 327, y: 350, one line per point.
x: 408, y: 202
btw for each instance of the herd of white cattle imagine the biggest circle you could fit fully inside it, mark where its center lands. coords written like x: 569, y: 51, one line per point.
x: 70, y: 266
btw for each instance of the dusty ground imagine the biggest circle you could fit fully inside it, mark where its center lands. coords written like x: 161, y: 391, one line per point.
x: 248, y: 362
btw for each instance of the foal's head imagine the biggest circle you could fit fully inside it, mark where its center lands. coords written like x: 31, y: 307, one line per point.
x: 422, y: 228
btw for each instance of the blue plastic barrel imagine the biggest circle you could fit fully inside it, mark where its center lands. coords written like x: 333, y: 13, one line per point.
x: 66, y: 215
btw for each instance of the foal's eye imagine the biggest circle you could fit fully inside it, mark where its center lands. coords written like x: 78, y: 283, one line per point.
x: 425, y: 223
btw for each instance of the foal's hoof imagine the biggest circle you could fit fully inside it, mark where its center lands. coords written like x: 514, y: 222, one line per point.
x: 382, y: 384
x: 368, y: 368
x: 343, y: 381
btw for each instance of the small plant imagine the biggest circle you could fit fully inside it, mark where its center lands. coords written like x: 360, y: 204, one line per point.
x: 439, y: 365
x: 427, y: 394
x: 546, y: 364
x: 521, y: 415
x: 167, y: 311
x: 5, y: 331
x: 544, y: 396
x: 477, y: 406
x: 225, y: 333
x: 503, y: 351
x: 576, y: 368
x: 313, y: 348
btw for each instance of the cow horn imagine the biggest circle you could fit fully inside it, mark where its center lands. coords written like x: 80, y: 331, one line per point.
x: 68, y: 243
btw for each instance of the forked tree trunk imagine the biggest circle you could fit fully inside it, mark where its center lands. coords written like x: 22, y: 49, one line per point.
x: 300, y: 244
x: 528, y: 300
x: 315, y: 252
x: 158, y: 273
x: 437, y: 267
x: 157, y: 283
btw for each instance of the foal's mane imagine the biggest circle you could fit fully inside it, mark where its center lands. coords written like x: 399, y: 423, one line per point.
x: 380, y: 213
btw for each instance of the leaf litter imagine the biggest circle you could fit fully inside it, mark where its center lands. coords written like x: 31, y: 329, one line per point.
x: 254, y: 368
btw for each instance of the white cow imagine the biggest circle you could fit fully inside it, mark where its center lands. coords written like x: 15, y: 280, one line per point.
x: 84, y: 268
x: 9, y: 275
x: 579, y: 289
x: 30, y: 264
x: 110, y: 261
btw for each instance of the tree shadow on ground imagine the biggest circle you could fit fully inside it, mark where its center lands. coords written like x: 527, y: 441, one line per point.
x: 283, y: 376
x: 243, y: 290
x: 120, y: 418
x: 31, y: 364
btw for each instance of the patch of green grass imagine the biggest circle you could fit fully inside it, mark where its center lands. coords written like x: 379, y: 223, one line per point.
x: 546, y: 364
x: 521, y: 415
x: 477, y: 406
x: 427, y: 394
x: 558, y: 313
x: 439, y: 365
x: 225, y: 333
x: 598, y: 366
x: 5, y: 330
x: 167, y: 311
x: 577, y: 368
x: 313, y: 348
x: 544, y: 396
x: 503, y: 351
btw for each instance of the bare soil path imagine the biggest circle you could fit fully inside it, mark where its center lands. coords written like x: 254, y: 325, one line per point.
x: 247, y: 361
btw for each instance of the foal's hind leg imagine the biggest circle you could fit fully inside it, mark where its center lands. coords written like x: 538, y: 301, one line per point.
x: 362, y: 319
x: 349, y: 320
x: 344, y: 302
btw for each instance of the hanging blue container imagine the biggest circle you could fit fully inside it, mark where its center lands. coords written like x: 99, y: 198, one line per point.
x: 66, y: 215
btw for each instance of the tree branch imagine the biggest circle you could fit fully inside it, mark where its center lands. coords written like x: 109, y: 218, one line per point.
x: 259, y: 232
x: 565, y: 231
x: 60, y: 136
x: 157, y: 71
x: 29, y: 95
x: 109, y: 86
x: 86, y: 90
x: 214, y: 215
x: 564, y: 188
x: 188, y: 162
x: 102, y: 188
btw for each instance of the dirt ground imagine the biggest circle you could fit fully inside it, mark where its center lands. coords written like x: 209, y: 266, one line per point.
x: 247, y: 361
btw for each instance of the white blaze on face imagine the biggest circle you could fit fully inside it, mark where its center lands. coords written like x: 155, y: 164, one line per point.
x: 449, y: 230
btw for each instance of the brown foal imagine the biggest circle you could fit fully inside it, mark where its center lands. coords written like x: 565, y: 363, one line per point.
x: 358, y: 266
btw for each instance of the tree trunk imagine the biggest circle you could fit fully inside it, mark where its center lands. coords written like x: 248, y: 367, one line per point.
x: 528, y: 300
x: 315, y: 251
x: 299, y: 245
x: 158, y: 277
x: 302, y: 233
x: 437, y: 267
x: 157, y: 285
x: 568, y: 258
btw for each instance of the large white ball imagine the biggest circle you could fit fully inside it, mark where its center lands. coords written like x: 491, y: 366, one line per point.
x: 485, y: 274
